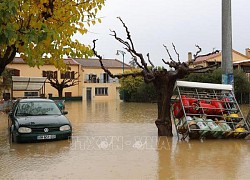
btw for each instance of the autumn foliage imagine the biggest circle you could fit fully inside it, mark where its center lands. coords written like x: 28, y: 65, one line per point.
x: 43, y: 29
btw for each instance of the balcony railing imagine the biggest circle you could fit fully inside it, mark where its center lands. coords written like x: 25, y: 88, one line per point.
x: 101, y: 81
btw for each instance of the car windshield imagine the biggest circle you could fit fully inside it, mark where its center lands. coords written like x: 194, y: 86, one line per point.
x: 37, y: 109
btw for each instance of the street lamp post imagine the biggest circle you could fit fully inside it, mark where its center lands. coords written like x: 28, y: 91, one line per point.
x: 122, y: 53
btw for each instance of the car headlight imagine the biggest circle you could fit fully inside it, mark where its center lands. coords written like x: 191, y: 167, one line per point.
x: 65, y: 128
x: 24, y: 130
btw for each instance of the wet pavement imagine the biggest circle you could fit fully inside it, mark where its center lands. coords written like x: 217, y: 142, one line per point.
x: 116, y: 140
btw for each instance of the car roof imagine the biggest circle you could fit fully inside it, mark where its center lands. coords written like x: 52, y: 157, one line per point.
x: 36, y: 100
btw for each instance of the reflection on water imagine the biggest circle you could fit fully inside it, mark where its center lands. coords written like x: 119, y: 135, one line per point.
x: 119, y: 140
x: 211, y: 159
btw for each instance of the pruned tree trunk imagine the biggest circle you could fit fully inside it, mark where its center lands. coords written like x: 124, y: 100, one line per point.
x: 60, y: 93
x: 164, y: 87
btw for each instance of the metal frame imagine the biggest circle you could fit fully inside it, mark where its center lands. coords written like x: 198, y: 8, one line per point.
x: 207, y: 92
x: 28, y: 81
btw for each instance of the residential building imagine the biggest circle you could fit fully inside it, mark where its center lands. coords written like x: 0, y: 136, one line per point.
x: 93, y: 84
x: 98, y: 85
x: 240, y: 61
x: 216, y: 58
x: 243, y: 65
x: 20, y: 68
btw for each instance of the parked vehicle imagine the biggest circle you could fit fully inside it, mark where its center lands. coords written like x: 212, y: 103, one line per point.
x: 38, y: 120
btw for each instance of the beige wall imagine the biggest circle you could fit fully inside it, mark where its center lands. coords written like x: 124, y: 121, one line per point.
x: 113, y: 91
x: 78, y: 90
x: 27, y: 71
x: 113, y: 86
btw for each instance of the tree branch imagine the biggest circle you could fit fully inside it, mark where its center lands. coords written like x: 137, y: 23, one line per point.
x: 178, y: 55
x: 130, y: 46
x: 119, y: 76
x: 150, y: 61
x: 196, y: 55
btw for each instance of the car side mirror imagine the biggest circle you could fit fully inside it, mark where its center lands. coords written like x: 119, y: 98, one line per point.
x: 65, y: 112
x: 10, y: 113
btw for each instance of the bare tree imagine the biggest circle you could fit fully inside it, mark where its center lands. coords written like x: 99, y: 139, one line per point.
x: 163, y: 80
x: 65, y: 83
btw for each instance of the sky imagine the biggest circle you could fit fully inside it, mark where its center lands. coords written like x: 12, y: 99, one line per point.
x: 153, y: 23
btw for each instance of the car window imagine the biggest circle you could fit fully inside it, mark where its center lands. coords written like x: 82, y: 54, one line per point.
x: 37, y: 108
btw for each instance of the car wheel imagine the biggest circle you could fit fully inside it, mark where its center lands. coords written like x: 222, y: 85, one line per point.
x: 12, y: 134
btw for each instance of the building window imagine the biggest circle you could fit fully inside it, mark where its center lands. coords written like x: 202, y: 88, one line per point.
x: 104, y: 78
x: 91, y: 78
x: 31, y: 94
x: 14, y: 72
x: 50, y: 74
x: 68, y: 94
x: 101, y: 91
x: 68, y: 75
x: 246, y: 69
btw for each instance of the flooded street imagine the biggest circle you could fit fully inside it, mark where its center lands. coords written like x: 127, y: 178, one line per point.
x: 116, y: 140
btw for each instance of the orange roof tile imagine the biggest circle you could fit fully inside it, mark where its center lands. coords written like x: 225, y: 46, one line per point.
x: 213, y: 56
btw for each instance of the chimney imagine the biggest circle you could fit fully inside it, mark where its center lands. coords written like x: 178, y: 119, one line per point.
x: 248, y: 52
x: 190, y: 55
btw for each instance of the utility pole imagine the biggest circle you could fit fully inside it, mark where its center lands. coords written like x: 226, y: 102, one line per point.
x: 227, y: 62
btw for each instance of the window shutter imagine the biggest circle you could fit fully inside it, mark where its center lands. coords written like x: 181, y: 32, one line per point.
x: 101, y: 77
x: 55, y: 75
x: 50, y: 74
x: 110, y: 80
x: 44, y: 74
x: 72, y: 74
x: 62, y: 76
x: 67, y: 75
x: 86, y: 77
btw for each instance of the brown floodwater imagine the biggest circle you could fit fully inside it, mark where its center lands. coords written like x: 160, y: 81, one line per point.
x: 116, y: 140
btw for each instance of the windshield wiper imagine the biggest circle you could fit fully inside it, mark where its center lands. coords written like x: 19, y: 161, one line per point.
x: 24, y: 114
x: 41, y: 114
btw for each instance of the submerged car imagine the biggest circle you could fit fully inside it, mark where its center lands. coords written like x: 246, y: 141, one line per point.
x: 38, y: 120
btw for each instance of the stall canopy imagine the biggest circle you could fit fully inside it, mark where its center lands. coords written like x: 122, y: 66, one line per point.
x: 27, y: 83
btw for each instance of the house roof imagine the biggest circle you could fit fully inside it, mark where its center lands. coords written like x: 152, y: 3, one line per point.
x: 242, y: 61
x: 108, y: 63
x: 207, y: 58
x: 70, y: 61
x: 213, y: 56
x: 19, y: 60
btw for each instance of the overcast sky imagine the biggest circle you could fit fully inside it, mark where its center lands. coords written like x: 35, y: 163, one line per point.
x: 153, y: 23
